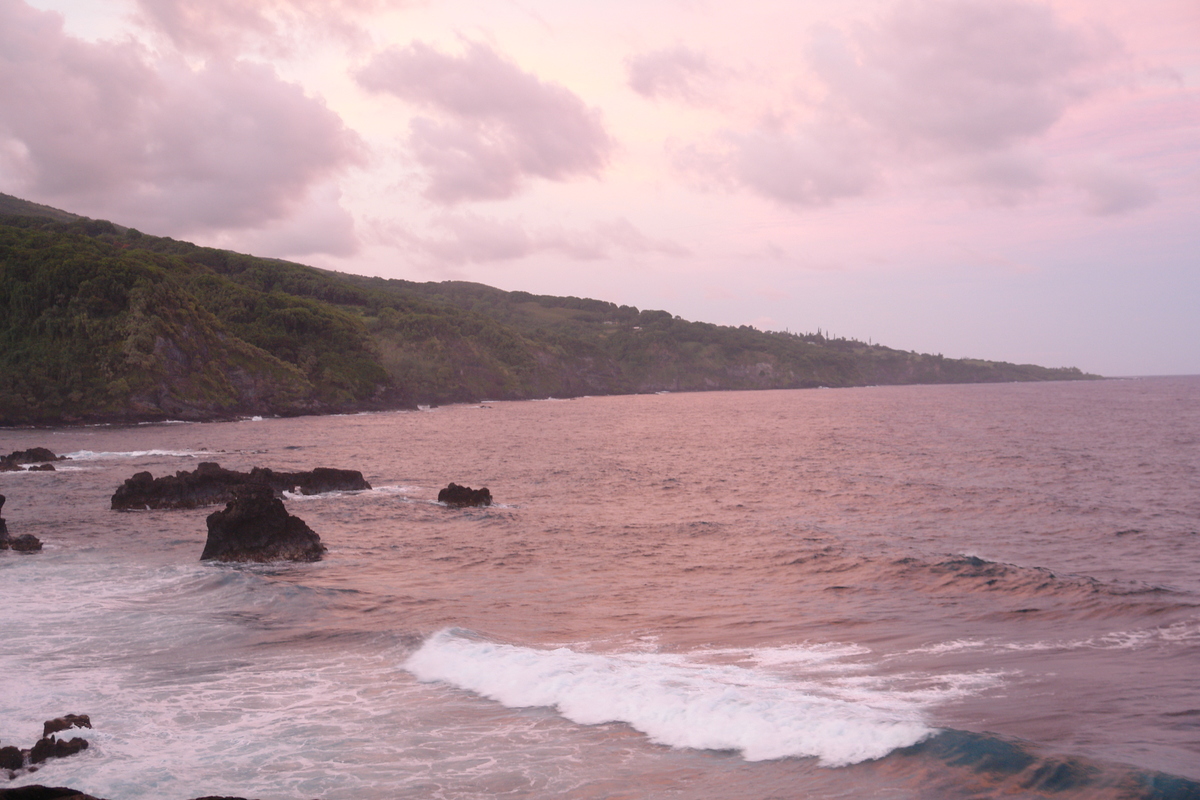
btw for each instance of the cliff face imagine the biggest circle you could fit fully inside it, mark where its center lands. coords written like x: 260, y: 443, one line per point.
x: 93, y: 329
x: 100, y: 323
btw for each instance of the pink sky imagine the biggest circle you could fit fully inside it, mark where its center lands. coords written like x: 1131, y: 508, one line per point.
x: 980, y: 178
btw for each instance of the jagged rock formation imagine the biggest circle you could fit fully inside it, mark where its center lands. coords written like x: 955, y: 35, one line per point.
x: 35, y: 455
x: 210, y: 484
x: 461, y: 496
x: 14, y: 759
x: 26, y: 542
x: 255, y: 527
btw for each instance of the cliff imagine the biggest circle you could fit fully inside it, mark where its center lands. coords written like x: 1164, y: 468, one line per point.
x: 103, y: 323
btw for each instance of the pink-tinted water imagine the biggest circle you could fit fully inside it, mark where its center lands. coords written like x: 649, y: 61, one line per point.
x: 1014, y: 560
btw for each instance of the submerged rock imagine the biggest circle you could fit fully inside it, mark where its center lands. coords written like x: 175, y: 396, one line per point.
x: 255, y: 526
x: 460, y: 496
x: 211, y: 484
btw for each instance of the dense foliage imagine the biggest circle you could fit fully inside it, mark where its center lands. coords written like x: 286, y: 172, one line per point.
x: 99, y: 322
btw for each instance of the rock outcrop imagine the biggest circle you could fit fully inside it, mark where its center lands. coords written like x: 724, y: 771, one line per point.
x: 26, y: 542
x: 35, y: 455
x: 39, y: 792
x: 461, y: 496
x: 255, y: 527
x: 14, y: 759
x: 52, y: 726
x: 211, y: 484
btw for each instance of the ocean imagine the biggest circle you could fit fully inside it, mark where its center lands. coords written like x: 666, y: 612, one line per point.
x: 888, y: 592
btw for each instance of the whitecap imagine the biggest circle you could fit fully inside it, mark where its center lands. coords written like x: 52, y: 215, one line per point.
x: 677, y: 701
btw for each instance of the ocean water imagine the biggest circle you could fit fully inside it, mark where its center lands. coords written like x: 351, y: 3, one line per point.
x: 892, y: 592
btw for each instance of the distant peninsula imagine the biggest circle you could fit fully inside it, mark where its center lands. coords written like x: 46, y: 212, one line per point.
x: 102, y: 323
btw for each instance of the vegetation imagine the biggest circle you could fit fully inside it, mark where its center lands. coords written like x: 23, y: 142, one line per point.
x: 103, y: 323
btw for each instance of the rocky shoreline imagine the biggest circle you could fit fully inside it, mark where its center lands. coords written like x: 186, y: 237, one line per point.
x: 39, y: 792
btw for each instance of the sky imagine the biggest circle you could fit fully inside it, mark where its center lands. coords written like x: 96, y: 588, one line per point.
x: 999, y: 179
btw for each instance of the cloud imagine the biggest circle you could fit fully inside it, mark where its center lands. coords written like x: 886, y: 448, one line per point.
x: 957, y: 90
x: 227, y: 27
x: 496, y: 126
x: 1005, y: 178
x: 677, y: 73
x: 1109, y: 189
x: 960, y: 75
x: 796, y: 165
x: 468, y: 238
x: 810, y: 167
x: 319, y: 225
x: 105, y: 128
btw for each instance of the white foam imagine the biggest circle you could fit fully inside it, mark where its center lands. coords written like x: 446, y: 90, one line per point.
x: 382, y: 490
x: 1177, y: 633
x: 677, y: 701
x: 92, y: 455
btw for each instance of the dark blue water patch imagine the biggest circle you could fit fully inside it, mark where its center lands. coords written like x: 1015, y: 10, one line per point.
x: 972, y: 573
x: 1004, y: 765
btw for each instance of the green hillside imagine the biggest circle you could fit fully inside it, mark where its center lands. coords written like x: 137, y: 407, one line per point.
x: 103, y: 323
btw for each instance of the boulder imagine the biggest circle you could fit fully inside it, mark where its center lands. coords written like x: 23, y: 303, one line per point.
x: 256, y: 527
x: 11, y: 758
x: 53, y: 747
x: 460, y: 496
x: 64, y: 722
x: 211, y: 484
x: 25, y: 543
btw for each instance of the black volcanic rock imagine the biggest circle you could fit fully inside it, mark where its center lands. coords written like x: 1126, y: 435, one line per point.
x: 53, y: 747
x: 256, y: 527
x: 460, y: 496
x: 37, y: 792
x: 64, y: 722
x: 211, y: 484
x: 14, y: 760
x: 26, y: 542
x: 11, y: 758
x: 35, y: 455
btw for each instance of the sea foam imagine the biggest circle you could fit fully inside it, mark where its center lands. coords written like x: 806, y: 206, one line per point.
x: 674, y: 702
x: 91, y: 455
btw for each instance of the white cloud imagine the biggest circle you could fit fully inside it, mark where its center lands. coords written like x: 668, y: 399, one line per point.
x: 153, y: 142
x: 496, y: 126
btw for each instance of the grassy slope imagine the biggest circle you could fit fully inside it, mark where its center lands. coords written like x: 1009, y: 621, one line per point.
x: 99, y: 322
